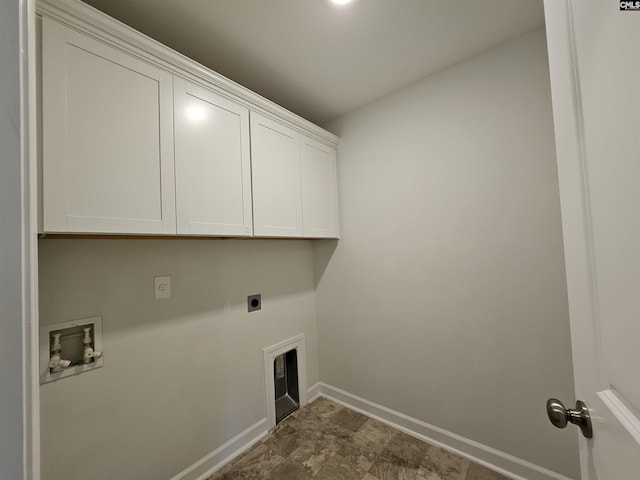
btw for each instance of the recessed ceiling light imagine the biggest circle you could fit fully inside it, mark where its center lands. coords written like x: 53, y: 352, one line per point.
x: 341, y: 3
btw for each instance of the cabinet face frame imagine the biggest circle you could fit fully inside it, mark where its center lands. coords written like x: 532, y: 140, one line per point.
x: 229, y: 158
x: 319, y: 189
x: 57, y: 171
x: 275, y: 168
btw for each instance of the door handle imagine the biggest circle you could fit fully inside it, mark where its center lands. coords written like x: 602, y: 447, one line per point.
x: 560, y: 416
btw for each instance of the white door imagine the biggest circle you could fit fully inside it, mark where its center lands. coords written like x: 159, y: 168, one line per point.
x: 213, y: 164
x: 319, y: 189
x: 275, y: 173
x: 107, y: 138
x: 595, y: 81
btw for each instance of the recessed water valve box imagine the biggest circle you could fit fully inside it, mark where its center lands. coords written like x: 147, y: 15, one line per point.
x: 70, y: 348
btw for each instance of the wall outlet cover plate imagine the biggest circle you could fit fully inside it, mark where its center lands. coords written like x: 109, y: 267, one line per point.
x: 162, y: 287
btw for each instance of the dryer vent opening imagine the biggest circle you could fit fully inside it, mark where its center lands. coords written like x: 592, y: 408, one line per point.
x: 285, y: 380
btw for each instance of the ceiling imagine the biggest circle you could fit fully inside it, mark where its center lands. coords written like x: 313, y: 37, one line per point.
x: 321, y: 61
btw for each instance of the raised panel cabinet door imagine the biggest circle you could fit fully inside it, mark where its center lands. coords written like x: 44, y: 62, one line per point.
x: 213, y: 163
x: 107, y: 138
x: 319, y: 189
x: 275, y: 171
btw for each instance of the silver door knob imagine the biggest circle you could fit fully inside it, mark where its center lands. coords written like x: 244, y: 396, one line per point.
x: 560, y: 416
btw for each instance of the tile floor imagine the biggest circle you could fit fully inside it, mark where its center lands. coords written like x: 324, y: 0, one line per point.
x: 325, y: 441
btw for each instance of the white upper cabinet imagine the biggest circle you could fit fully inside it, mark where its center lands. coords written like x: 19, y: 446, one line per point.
x: 319, y: 189
x: 213, y: 165
x: 294, y: 182
x: 107, y: 138
x: 275, y: 170
x: 140, y: 140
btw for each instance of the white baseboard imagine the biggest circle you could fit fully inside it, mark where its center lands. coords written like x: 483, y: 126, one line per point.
x: 313, y: 392
x: 501, y: 462
x: 208, y: 465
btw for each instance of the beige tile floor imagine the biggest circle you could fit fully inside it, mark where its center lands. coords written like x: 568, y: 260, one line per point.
x: 325, y: 441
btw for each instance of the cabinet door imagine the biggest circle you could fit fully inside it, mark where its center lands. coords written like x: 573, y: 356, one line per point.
x: 213, y: 164
x: 275, y: 167
x: 319, y: 189
x: 107, y: 138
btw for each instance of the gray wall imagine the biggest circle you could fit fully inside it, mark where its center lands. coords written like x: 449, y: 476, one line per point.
x: 182, y: 375
x: 445, y: 298
x: 11, y: 337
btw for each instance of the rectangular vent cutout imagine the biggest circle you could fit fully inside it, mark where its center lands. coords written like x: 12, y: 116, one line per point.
x: 285, y: 380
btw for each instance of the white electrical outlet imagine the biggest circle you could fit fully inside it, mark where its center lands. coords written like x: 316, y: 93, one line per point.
x: 162, y: 287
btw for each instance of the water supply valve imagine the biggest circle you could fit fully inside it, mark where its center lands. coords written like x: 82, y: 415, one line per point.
x: 89, y: 353
x: 56, y: 362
